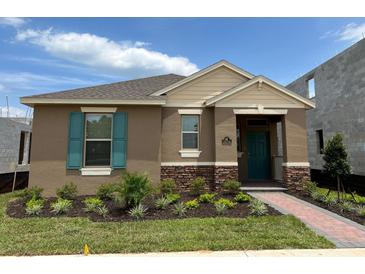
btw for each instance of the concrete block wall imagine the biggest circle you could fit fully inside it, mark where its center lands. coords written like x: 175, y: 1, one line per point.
x: 10, y: 130
x: 340, y: 104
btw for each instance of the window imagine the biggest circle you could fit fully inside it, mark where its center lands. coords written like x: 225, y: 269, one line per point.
x: 311, y: 88
x: 21, y: 148
x: 30, y: 146
x: 98, y: 139
x: 190, y: 132
x: 320, y: 142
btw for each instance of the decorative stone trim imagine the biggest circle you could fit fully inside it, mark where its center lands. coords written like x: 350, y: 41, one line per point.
x: 223, y: 173
x: 214, y: 175
x: 293, y: 177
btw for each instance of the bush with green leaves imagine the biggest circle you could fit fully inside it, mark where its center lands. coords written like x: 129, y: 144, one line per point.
x: 67, y: 191
x: 197, y: 186
x: 231, y: 186
x: 34, y: 206
x: 118, y: 199
x: 192, y: 204
x: 138, y: 211
x: 167, y: 186
x: 257, y: 208
x: 318, y: 196
x: 360, y: 210
x: 92, y: 203
x: 220, y: 208
x: 180, y: 209
x: 102, y: 211
x: 61, y: 206
x: 228, y: 203
x: 105, y: 191
x: 330, y: 200
x: 30, y: 193
x: 346, y: 206
x: 173, y: 197
x: 309, y: 187
x: 135, y: 188
x: 242, y: 198
x: 162, y: 203
x: 207, y: 197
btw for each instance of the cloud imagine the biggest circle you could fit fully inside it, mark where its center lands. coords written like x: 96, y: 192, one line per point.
x: 126, y: 58
x: 13, y: 112
x: 25, y: 83
x: 352, y: 32
x: 2, y: 87
x: 15, y: 22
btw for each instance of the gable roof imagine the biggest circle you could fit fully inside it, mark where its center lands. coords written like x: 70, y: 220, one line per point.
x: 132, y: 90
x: 222, y: 63
x: 261, y: 79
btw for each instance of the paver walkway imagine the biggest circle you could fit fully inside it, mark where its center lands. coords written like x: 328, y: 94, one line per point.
x: 339, y: 230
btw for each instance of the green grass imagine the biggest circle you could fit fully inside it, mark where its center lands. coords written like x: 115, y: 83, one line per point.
x: 40, y: 236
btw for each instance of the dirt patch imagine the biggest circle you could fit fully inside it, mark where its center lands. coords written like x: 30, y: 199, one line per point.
x: 16, y: 209
x: 349, y: 215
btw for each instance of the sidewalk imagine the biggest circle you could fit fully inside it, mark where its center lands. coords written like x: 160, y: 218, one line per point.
x: 337, y: 229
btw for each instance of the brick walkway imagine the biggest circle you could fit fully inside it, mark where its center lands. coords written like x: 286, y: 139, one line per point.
x: 339, y: 230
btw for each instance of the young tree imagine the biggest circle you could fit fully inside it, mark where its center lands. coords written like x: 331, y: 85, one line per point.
x: 336, y: 164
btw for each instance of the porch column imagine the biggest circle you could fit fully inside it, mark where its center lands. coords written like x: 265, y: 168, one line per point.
x: 226, y: 166
x: 295, y: 158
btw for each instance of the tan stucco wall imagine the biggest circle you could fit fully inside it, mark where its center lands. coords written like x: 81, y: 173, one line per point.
x: 49, y: 148
x: 171, y: 136
x: 294, y: 136
x: 225, y: 125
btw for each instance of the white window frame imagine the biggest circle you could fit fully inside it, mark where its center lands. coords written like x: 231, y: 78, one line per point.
x: 310, y: 79
x: 100, y: 168
x: 189, y: 152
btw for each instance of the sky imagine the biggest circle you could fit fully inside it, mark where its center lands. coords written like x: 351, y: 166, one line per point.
x: 39, y: 55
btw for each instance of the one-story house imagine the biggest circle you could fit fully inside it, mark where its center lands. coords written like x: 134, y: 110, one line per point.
x: 221, y: 123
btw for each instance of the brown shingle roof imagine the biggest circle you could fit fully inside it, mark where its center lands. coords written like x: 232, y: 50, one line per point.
x: 138, y: 89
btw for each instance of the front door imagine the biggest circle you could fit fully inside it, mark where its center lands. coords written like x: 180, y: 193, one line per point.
x: 258, y: 155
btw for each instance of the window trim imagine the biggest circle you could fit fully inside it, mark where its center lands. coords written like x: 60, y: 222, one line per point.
x: 84, y: 166
x: 189, y: 152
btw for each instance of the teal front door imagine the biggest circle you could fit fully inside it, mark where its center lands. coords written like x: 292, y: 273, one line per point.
x: 258, y: 155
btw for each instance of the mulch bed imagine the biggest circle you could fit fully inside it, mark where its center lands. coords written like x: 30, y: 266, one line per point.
x: 349, y: 215
x: 16, y: 209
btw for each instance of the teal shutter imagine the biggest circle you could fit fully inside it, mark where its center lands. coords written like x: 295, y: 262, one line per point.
x: 120, y: 136
x: 75, y: 140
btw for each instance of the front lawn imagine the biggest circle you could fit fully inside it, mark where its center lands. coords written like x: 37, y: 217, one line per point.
x: 65, y: 235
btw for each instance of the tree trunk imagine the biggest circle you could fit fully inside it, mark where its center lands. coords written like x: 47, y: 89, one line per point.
x: 338, y: 187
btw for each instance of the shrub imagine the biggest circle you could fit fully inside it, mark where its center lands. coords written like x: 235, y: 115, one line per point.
x: 309, y: 187
x: 34, y: 206
x: 173, y: 197
x: 61, y: 206
x: 207, y: 197
x: 330, y: 200
x: 197, y: 186
x: 361, y: 211
x: 220, y: 208
x: 92, y: 203
x: 318, y: 196
x: 180, y: 209
x: 257, y: 208
x: 231, y: 186
x: 167, y: 186
x: 30, y: 193
x: 135, y: 188
x: 67, y: 191
x: 192, y: 204
x: 102, y: 211
x: 242, y: 198
x: 346, y: 206
x: 138, y: 211
x: 162, y: 203
x: 228, y: 203
x: 105, y: 191
x: 118, y: 199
